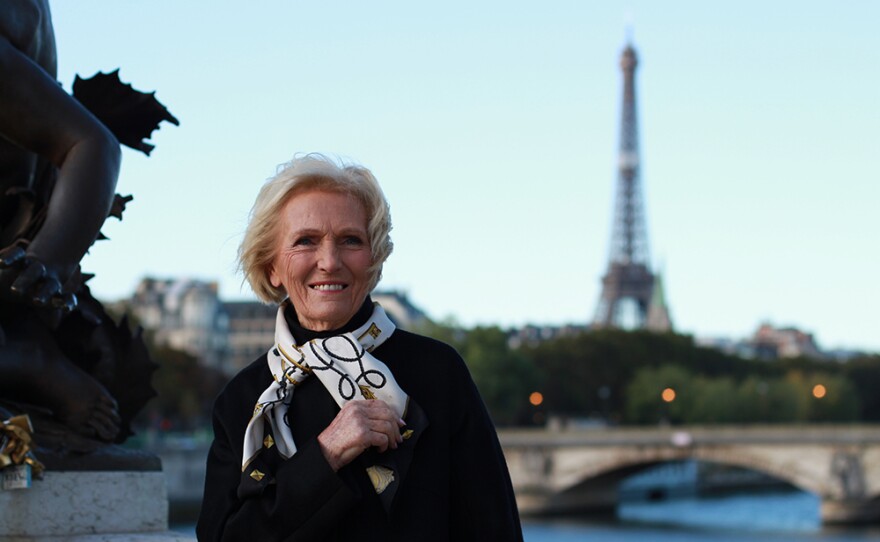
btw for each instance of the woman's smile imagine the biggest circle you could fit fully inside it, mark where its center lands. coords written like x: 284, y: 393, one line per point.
x: 329, y: 287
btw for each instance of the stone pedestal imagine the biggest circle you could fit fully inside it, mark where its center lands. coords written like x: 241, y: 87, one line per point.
x: 78, y: 501
x: 121, y: 537
x: 850, y: 512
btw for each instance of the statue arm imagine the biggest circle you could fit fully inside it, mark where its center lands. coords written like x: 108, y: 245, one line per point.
x: 38, y: 116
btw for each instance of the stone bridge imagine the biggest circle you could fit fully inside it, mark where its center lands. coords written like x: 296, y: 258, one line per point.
x: 578, y: 471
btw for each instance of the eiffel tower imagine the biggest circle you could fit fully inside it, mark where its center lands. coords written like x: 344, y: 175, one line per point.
x: 632, y: 296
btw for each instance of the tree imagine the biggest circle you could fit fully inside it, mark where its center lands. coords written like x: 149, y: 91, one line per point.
x: 647, y: 403
x: 715, y: 400
x: 770, y: 400
x: 864, y: 374
x: 186, y: 391
x: 832, y: 398
x: 504, y: 377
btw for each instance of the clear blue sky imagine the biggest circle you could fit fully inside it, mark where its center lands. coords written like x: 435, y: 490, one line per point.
x: 493, y: 126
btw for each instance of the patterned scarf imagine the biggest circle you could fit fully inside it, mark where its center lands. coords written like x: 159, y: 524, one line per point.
x: 344, y: 366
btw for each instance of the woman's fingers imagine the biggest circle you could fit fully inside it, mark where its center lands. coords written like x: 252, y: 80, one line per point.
x: 377, y: 421
x: 384, y: 434
x: 358, y: 426
x: 385, y: 422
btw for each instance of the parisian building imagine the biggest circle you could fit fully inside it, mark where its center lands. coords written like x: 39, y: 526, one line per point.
x: 188, y: 315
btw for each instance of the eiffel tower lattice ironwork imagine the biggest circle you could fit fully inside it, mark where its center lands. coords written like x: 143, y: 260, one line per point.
x: 628, y: 286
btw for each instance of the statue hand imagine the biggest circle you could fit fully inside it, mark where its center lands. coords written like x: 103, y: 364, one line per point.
x: 11, y: 258
x: 11, y: 255
x: 34, y: 280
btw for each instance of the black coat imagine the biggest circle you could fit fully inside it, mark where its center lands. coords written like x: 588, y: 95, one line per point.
x: 457, y: 487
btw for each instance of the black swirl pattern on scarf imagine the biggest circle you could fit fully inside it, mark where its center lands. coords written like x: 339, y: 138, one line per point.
x: 346, y: 387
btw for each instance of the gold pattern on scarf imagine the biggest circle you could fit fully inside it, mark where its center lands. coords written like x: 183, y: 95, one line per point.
x: 304, y: 368
x: 268, y: 442
x: 257, y: 475
x: 16, y: 444
x: 381, y: 477
x: 366, y: 392
x: 373, y: 331
x: 407, y: 434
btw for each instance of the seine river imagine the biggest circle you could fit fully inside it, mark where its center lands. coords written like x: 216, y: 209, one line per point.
x: 772, y: 517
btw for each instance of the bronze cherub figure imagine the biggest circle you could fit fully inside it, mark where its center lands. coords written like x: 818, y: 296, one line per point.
x: 61, y: 357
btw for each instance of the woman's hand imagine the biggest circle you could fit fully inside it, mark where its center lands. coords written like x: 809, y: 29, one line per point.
x: 358, y: 426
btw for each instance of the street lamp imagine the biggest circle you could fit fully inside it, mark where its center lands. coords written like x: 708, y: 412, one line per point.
x: 668, y: 396
x: 536, y: 399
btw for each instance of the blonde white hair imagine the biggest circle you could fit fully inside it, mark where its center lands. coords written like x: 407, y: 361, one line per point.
x: 304, y: 174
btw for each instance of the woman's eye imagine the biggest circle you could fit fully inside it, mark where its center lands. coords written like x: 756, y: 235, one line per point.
x: 303, y: 241
x: 352, y: 240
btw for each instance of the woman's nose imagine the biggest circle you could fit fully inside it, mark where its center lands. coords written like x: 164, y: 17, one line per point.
x: 328, y: 257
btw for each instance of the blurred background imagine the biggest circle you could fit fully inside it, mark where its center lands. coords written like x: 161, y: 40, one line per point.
x: 502, y: 135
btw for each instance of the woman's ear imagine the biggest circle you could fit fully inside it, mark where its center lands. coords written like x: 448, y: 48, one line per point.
x: 274, y: 278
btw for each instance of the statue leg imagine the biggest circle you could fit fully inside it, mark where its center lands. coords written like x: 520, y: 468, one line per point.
x: 34, y: 370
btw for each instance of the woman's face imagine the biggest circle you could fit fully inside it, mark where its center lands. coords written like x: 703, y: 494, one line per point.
x: 322, y: 255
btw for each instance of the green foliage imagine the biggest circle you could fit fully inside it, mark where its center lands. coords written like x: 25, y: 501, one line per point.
x: 864, y: 375
x: 840, y: 403
x: 186, y: 391
x: 718, y: 400
x: 587, y: 375
x: 644, y: 395
x: 712, y: 400
x: 619, y: 375
x: 771, y: 400
x: 504, y: 376
x: 447, y: 331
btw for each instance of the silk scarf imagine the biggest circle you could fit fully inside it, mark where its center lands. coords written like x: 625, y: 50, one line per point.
x: 344, y: 365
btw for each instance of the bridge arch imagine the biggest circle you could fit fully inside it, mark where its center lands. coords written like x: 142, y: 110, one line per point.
x: 561, y: 471
x: 616, y: 471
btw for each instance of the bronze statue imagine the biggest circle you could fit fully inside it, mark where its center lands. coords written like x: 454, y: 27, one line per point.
x: 62, y: 359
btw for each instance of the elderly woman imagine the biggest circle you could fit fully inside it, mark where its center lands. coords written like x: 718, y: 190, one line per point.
x: 347, y: 428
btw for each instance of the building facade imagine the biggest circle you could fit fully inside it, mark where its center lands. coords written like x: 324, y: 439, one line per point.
x: 188, y: 315
x: 183, y: 314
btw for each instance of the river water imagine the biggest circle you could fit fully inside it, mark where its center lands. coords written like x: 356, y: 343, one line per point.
x: 773, y: 517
